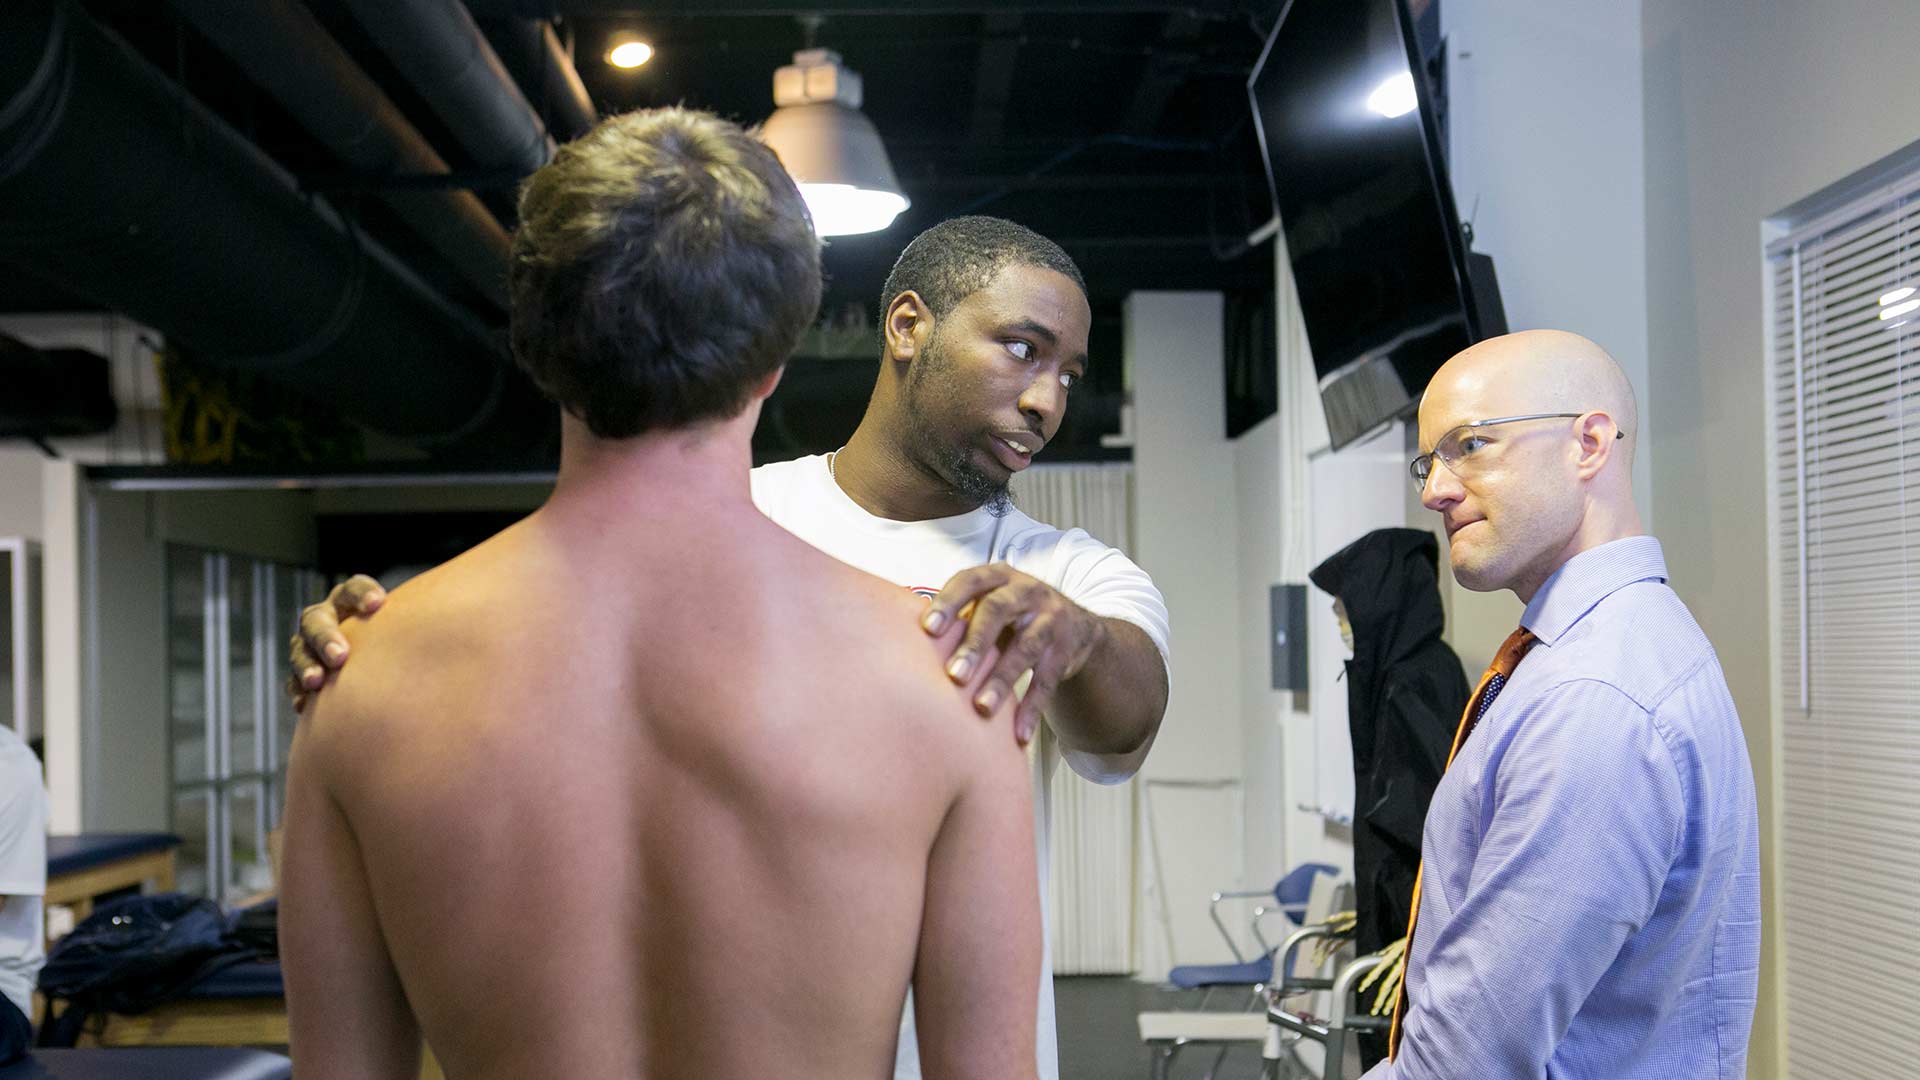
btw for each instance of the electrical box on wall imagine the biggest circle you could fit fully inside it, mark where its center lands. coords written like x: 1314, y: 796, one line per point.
x: 1287, y: 635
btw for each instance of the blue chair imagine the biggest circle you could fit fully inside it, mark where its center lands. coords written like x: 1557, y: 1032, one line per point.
x: 1167, y: 1033
x: 1289, y: 897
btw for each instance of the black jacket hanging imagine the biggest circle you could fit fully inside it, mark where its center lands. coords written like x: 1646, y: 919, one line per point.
x: 1405, y: 693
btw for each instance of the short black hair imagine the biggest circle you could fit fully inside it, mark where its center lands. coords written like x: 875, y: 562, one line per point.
x: 960, y: 256
x: 664, y: 265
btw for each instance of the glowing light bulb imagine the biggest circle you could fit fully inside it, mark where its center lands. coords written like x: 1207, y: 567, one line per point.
x: 630, y: 54
x: 845, y: 210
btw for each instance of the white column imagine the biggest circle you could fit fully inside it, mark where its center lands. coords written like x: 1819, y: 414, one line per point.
x: 1192, y: 811
x: 62, y: 498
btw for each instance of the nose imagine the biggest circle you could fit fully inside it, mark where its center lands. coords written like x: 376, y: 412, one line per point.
x: 1044, y: 401
x: 1442, y: 488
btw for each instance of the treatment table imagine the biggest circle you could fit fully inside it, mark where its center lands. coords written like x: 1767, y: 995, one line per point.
x: 196, y: 1063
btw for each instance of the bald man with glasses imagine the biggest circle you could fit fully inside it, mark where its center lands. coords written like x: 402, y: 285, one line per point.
x: 1589, y: 902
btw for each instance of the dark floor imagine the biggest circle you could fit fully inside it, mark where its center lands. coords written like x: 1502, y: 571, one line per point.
x: 1099, y: 1039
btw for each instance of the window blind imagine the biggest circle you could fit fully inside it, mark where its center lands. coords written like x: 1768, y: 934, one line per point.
x: 1844, y: 389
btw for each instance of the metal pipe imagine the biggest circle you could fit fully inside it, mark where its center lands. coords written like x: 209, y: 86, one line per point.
x: 1343, y: 985
x: 546, y: 72
x: 439, y: 50
x: 282, y: 47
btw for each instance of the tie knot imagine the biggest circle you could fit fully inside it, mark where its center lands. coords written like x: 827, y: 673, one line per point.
x: 1512, y: 650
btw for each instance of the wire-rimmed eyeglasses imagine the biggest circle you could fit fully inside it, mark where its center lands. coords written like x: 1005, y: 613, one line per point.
x: 1460, y: 443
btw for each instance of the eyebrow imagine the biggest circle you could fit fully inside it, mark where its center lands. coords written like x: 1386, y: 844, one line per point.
x: 1047, y: 334
x: 1037, y: 329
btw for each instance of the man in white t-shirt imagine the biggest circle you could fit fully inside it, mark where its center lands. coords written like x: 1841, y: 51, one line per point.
x: 984, y: 332
x: 23, y: 882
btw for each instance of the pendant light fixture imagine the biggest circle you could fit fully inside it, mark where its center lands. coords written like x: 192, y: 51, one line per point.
x: 830, y: 147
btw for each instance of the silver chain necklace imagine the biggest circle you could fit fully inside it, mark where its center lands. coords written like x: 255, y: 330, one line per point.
x: 831, y: 475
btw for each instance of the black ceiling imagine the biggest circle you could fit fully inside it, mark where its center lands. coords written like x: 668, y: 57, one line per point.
x: 1119, y: 129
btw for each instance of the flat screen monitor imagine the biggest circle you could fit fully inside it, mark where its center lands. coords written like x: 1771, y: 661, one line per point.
x: 1352, y: 149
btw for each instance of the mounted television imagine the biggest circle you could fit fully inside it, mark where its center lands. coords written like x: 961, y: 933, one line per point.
x: 1387, y: 286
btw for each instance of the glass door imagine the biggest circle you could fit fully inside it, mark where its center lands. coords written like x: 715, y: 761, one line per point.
x: 230, y: 726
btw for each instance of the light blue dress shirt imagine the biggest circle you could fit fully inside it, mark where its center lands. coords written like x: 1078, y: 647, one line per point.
x: 1591, y: 906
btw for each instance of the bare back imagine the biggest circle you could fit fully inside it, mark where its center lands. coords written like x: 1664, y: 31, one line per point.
x: 700, y: 821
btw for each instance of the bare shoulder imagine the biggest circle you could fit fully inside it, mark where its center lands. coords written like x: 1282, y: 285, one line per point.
x: 881, y: 624
x: 399, y: 660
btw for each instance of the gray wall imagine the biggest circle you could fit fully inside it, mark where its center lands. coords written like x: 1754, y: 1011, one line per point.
x: 1623, y: 157
x: 126, y: 768
x: 20, y: 492
x: 1748, y: 108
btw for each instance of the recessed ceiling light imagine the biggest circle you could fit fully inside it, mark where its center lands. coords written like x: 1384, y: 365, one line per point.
x: 630, y: 54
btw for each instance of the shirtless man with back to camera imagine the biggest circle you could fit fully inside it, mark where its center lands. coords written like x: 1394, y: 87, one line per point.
x: 722, y: 832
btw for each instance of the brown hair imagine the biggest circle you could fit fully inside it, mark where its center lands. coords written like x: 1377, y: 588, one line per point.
x: 664, y: 265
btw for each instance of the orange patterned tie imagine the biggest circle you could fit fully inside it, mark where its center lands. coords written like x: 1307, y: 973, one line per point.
x: 1491, y: 683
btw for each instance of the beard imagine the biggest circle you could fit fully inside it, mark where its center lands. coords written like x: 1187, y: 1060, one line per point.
x: 953, y: 465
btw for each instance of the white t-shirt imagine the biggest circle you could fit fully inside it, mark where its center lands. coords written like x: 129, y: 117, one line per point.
x: 23, y: 869
x: 802, y: 497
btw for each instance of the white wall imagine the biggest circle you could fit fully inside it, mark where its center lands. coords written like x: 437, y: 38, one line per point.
x: 1265, y: 713
x: 1547, y: 157
x: 20, y: 492
x: 44, y: 498
x: 1353, y: 492
x: 1746, y: 113
x: 63, y: 603
x: 1185, y: 537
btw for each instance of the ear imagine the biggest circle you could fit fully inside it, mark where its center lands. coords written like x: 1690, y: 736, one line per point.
x: 1595, y: 434
x: 767, y: 385
x: 906, y: 325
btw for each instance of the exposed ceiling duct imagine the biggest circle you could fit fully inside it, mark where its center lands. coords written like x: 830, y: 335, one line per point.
x: 282, y: 47
x: 117, y: 185
x: 546, y: 71
x: 439, y: 49
x: 290, y: 54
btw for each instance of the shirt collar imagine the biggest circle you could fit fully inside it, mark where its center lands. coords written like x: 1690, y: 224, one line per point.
x: 1588, y: 578
x: 959, y: 527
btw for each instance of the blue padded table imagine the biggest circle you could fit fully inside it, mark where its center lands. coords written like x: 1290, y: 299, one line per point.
x: 253, y: 979
x: 243, y: 1005
x: 83, y: 867
x: 183, y: 1063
